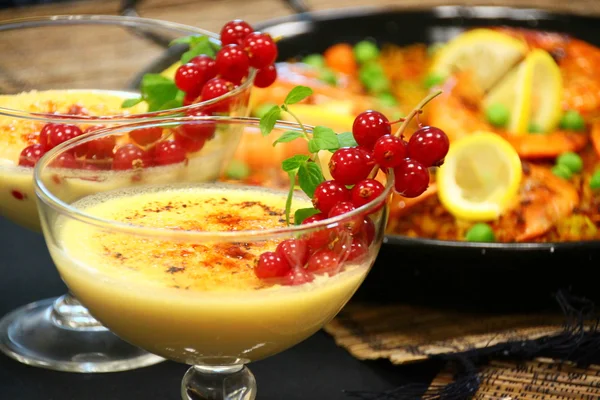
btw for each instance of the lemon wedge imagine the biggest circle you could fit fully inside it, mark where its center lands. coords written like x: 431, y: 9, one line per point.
x: 532, y: 91
x: 335, y: 114
x: 487, y: 53
x: 480, y: 177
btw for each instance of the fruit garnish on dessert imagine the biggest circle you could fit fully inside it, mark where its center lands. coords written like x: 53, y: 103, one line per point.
x: 356, y: 158
x: 209, y: 69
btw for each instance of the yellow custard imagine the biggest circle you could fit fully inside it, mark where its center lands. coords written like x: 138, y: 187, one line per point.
x: 193, y: 301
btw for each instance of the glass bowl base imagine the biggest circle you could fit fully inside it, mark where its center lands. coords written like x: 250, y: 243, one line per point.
x: 32, y: 336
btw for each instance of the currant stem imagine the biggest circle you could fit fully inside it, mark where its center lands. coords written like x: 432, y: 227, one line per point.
x: 415, y: 112
x: 287, y: 110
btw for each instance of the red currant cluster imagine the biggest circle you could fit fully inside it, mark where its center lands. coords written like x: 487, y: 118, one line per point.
x: 353, y: 185
x: 427, y: 147
x: 145, y: 147
x: 204, y: 78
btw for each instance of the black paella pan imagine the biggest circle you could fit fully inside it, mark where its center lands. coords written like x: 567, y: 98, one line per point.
x: 480, y: 275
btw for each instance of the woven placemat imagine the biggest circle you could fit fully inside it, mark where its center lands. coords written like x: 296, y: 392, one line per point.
x: 541, y: 378
x: 404, y: 333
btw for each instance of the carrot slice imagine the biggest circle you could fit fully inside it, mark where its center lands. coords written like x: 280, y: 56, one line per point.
x: 340, y: 58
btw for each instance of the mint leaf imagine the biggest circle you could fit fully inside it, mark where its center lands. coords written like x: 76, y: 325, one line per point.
x: 297, y: 94
x: 158, y: 91
x: 183, y: 40
x: 323, y: 139
x: 309, y: 177
x: 302, y: 213
x: 268, y: 121
x: 346, y: 139
x: 294, y: 162
x: 198, y: 45
x: 288, y: 136
x: 131, y: 102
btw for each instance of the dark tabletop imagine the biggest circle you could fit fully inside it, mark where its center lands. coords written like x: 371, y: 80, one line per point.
x: 315, y: 369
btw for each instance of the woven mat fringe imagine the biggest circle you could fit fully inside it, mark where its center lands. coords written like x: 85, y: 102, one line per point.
x: 578, y: 343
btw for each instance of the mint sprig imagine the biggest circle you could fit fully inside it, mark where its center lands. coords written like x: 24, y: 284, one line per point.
x: 160, y: 92
x: 305, y: 169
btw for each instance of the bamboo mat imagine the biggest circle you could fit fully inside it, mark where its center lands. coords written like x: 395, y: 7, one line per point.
x: 405, y: 334
x: 542, y: 378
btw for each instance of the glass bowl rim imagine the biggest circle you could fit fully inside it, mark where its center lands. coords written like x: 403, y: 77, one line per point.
x: 122, y: 21
x: 46, y: 196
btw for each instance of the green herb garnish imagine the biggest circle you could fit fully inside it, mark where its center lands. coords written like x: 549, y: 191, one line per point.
x: 160, y: 92
x: 303, y: 169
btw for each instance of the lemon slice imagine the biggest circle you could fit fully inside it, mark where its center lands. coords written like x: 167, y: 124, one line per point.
x: 480, y: 177
x: 335, y: 114
x: 532, y: 91
x: 487, y: 53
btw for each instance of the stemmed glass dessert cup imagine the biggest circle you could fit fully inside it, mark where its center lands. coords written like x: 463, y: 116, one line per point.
x: 75, y: 71
x: 206, y: 274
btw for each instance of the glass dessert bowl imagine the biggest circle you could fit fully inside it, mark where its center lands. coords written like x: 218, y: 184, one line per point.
x: 71, y: 94
x: 206, y: 274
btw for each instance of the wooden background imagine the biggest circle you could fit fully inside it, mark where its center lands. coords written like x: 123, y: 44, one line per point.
x: 211, y: 14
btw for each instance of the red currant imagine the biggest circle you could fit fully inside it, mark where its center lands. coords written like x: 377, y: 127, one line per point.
x: 328, y: 194
x: 411, y: 178
x: 294, y: 251
x: 297, y: 277
x: 189, y: 79
x: 208, y: 66
x: 366, y: 191
x: 344, y: 207
x: 198, y: 130
x: 216, y: 87
x: 232, y: 63
x: 323, y: 260
x: 271, y: 265
x: 370, y: 126
x: 65, y: 160
x: 317, y: 239
x: 389, y: 151
x: 30, y: 155
x: 235, y: 31
x: 169, y: 152
x: 358, y: 250
x: 129, y: 156
x: 53, y: 134
x: 190, y: 145
x: 265, y: 76
x: 429, y: 146
x: 349, y: 165
x: 189, y: 99
x: 261, y: 49
x: 146, y: 136
x: 368, y: 230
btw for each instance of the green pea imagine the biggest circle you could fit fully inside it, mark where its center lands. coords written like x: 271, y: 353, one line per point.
x: 328, y: 76
x: 480, y: 232
x: 595, y: 181
x: 237, y: 170
x: 572, y: 121
x: 570, y: 160
x: 434, y: 79
x: 387, y: 99
x: 498, y: 114
x: 562, y: 172
x: 535, y: 128
x: 373, y: 78
x: 314, y: 60
x: 262, y: 109
x: 365, y: 51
